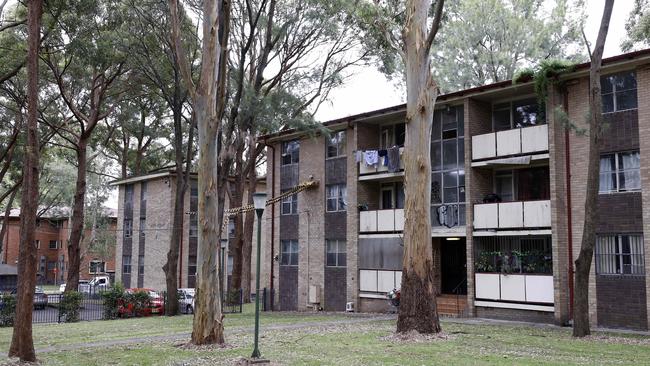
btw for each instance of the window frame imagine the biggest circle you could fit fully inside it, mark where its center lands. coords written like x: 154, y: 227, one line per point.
x: 618, y: 171
x: 340, y: 194
x: 340, y: 253
x: 292, y: 202
x: 338, y: 140
x: 619, y: 255
x: 56, y: 244
x: 95, y: 262
x: 126, y: 265
x: 291, y: 255
x: 294, y: 154
x: 128, y: 229
x: 615, y: 91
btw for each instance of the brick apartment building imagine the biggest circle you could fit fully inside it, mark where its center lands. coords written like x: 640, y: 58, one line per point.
x: 52, y: 233
x: 507, y: 204
x: 144, y: 222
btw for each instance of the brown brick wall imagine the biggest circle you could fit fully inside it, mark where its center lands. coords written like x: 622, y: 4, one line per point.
x: 622, y: 302
x: 643, y: 95
x: 610, y: 213
x: 515, y: 315
x: 621, y: 131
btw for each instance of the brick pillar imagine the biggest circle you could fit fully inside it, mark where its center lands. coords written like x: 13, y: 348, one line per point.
x: 643, y: 95
x: 352, y: 226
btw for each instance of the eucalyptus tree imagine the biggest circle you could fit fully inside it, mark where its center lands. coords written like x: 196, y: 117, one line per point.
x: 487, y: 41
x: 402, y: 35
x: 638, y: 27
x: 581, y: 326
x: 87, y: 68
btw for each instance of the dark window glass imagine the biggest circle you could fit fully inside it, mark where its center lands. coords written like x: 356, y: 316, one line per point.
x: 336, y: 144
x: 126, y: 264
x: 436, y: 156
x: 436, y: 188
x: 449, y: 154
x: 289, y: 253
x: 501, y: 117
x: 619, y: 91
x: 400, y: 134
x: 436, y: 129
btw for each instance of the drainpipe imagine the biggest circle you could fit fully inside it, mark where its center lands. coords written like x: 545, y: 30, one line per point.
x: 567, y: 163
x: 272, y: 276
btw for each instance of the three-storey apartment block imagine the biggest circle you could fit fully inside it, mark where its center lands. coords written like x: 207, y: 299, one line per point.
x: 507, y: 203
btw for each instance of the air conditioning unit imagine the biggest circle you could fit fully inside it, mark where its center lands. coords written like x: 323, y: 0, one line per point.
x: 314, y: 294
x: 349, y: 307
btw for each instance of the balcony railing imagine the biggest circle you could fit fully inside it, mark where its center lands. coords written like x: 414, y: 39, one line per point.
x: 381, y: 221
x: 518, y: 141
x: 513, y: 215
x: 514, y: 287
x: 379, y: 167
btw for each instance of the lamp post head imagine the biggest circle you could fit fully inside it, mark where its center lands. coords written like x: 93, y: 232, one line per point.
x: 259, y: 200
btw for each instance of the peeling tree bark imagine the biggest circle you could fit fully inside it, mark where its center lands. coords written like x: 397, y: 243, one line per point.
x: 581, y: 326
x: 418, y: 309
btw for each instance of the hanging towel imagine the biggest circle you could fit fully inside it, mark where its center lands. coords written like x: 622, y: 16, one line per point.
x: 371, y: 157
x: 358, y: 155
x: 393, y: 159
x: 382, y: 152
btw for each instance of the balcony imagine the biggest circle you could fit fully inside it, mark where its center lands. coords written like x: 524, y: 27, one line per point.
x: 519, y: 141
x: 512, y: 215
x: 381, y: 221
x: 515, y: 291
x: 370, y: 171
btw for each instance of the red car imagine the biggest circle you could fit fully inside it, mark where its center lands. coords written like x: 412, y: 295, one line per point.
x: 155, y: 305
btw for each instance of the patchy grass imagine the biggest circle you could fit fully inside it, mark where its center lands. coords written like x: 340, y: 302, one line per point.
x: 349, y: 343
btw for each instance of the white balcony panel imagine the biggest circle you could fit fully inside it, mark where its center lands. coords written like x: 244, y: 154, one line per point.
x: 513, y: 287
x: 534, y: 139
x: 398, y: 279
x: 368, y: 221
x: 399, y: 219
x: 485, y: 216
x: 366, y: 169
x: 385, y: 220
x: 539, y: 289
x: 509, y: 142
x: 511, y: 215
x: 487, y: 286
x: 537, y: 214
x: 483, y: 146
x: 368, y: 280
x: 386, y: 281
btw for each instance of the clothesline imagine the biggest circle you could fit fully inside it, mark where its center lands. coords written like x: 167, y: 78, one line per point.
x: 391, y: 157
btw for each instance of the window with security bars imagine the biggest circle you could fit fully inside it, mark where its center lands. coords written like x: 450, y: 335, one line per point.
x: 620, y: 255
x: 336, y: 253
x: 289, y: 253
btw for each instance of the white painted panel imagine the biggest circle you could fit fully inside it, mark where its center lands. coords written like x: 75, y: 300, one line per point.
x: 485, y: 216
x: 399, y: 219
x: 366, y: 169
x: 386, y: 281
x: 539, y: 289
x: 511, y: 214
x: 487, y: 286
x: 385, y: 220
x: 483, y: 146
x: 537, y: 214
x: 534, y: 139
x: 398, y: 279
x: 368, y: 221
x: 513, y: 287
x: 509, y: 142
x: 367, y: 280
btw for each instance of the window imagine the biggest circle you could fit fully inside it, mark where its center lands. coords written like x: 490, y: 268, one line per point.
x: 620, y: 254
x: 620, y: 172
x: 393, y: 135
x: 336, y: 253
x: 126, y: 264
x: 141, y: 265
x: 194, y: 227
x: 336, y: 197
x: 54, y: 244
x: 515, y: 114
x: 619, y: 91
x: 143, y: 227
x: 289, y: 253
x: 96, y: 266
x: 38, y: 244
x: 51, y: 266
x: 143, y: 195
x: 290, y: 205
x: 336, y: 145
x: 504, y: 185
x: 191, y: 265
x: 128, y: 228
x: 290, y: 152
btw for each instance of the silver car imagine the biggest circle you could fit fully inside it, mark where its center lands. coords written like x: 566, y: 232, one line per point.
x: 186, y: 300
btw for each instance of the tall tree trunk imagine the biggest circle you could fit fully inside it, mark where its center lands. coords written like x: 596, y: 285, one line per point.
x: 583, y: 263
x: 171, y: 267
x: 22, y: 343
x: 417, y: 309
x: 235, y: 248
x: 77, y: 220
x: 249, y: 221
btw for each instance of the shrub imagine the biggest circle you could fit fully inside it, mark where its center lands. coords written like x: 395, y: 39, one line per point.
x: 7, y: 310
x: 112, y: 299
x: 139, y: 300
x: 69, y: 306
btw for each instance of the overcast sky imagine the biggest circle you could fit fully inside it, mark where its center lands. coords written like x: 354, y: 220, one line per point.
x: 369, y: 89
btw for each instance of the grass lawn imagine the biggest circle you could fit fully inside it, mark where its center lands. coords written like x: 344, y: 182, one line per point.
x: 341, y: 340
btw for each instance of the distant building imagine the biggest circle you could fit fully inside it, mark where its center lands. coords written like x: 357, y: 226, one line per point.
x: 144, y: 223
x: 52, y: 234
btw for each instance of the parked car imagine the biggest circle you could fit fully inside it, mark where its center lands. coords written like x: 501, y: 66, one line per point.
x: 40, y: 298
x: 186, y: 300
x: 83, y: 284
x: 155, y: 305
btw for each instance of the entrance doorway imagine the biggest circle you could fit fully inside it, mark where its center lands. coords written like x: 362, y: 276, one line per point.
x: 453, y: 266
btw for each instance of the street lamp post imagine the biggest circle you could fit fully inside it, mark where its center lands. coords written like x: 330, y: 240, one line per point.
x: 259, y: 201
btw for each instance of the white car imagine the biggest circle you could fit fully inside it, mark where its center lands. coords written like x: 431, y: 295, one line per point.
x: 83, y: 284
x: 186, y: 300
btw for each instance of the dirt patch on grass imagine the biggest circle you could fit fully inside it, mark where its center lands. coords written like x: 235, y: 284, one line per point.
x: 416, y: 337
x: 204, y: 347
x: 617, y: 340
